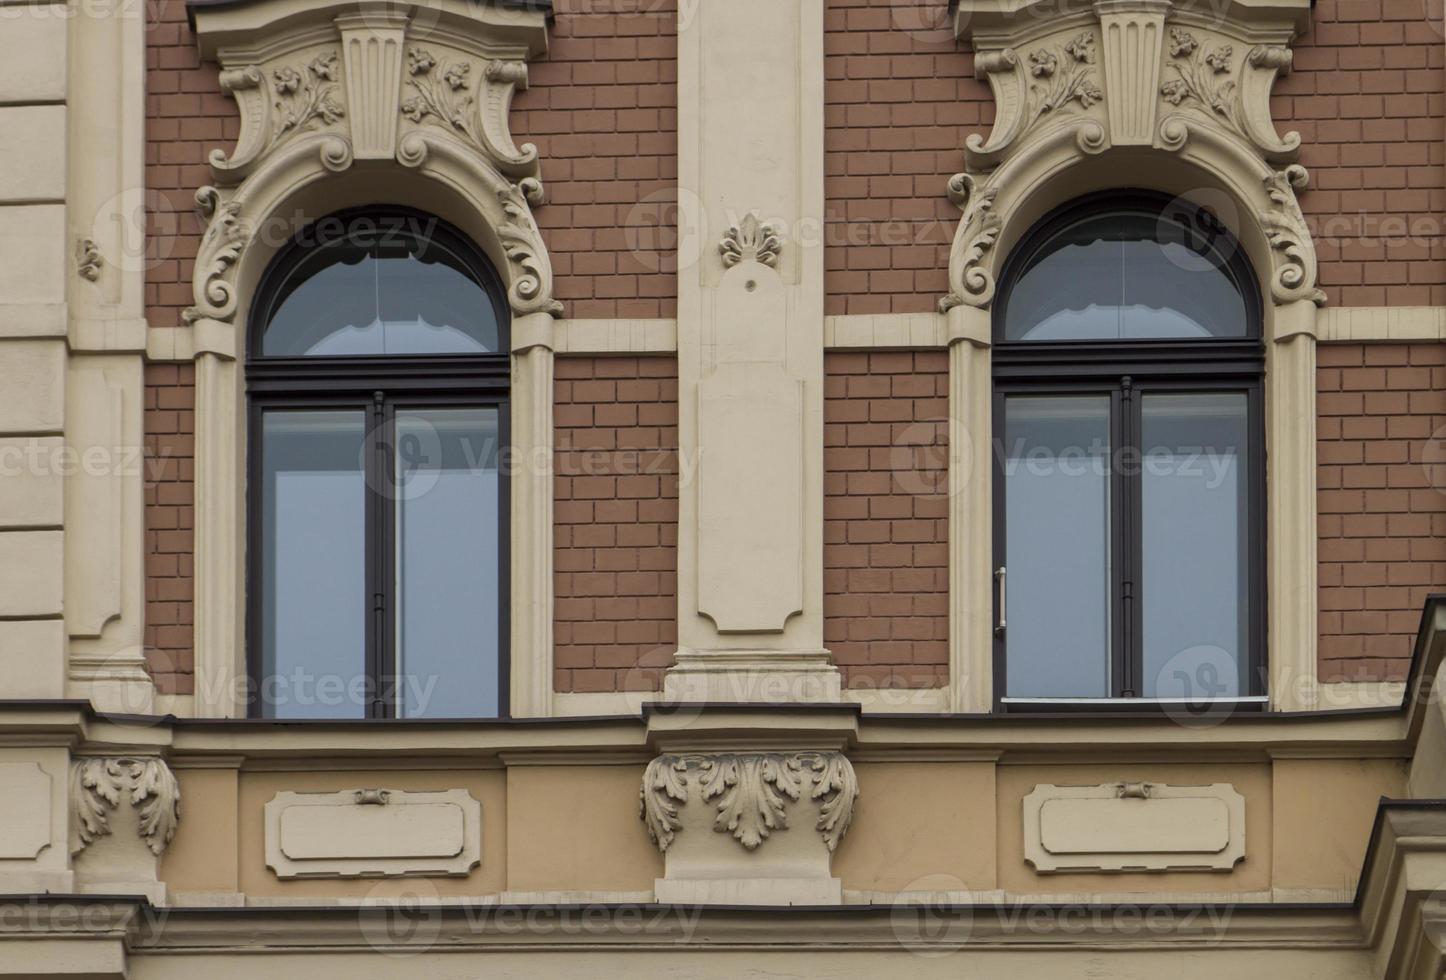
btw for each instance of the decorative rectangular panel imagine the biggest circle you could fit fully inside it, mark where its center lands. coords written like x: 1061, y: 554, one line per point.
x: 1134, y: 827
x: 373, y: 833
x: 24, y: 810
x: 750, y: 498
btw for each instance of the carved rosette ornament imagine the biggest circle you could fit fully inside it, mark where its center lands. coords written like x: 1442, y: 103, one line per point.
x: 749, y: 240
x: 1156, y: 76
x: 425, y: 90
x: 752, y: 793
x: 101, y: 785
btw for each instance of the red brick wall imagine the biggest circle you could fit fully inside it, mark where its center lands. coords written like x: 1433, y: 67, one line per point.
x: 886, y: 529
x: 170, y: 428
x: 900, y: 98
x: 187, y: 117
x: 1367, y: 96
x: 615, y: 522
x: 1382, y: 496
x: 602, y: 109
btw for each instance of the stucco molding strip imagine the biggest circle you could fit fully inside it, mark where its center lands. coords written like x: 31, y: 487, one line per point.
x: 886, y: 331
x: 621, y: 337
x: 1381, y: 325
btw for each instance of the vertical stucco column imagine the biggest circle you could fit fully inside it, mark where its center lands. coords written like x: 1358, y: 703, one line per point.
x: 105, y: 387
x: 750, y: 354
x: 1291, y: 491
x: 220, y: 547
x: 971, y: 546
x: 34, y: 97
x: 531, y: 489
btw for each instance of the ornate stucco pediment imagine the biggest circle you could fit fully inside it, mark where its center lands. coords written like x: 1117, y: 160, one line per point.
x: 1169, y: 77
x: 322, y: 88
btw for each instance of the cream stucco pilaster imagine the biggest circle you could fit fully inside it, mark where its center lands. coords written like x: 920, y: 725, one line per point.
x: 1291, y: 570
x: 532, y: 492
x: 750, y: 356
x: 72, y: 109
x: 35, y: 96
x: 971, y: 521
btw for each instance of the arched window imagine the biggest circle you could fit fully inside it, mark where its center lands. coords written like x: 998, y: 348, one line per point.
x: 1129, y: 460
x: 377, y: 381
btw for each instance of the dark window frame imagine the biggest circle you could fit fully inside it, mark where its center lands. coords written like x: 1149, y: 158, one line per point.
x: 1125, y: 370
x: 378, y: 385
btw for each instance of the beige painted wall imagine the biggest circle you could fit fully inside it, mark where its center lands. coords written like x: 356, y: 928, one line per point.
x: 576, y: 828
x: 918, y: 826
x: 205, y: 853
x: 921, y: 826
x: 1324, y: 809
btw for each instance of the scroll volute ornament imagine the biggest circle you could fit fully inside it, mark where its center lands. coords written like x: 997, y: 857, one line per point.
x: 418, y: 85
x: 1167, y: 76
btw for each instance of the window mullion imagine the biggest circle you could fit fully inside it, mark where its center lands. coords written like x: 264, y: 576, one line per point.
x: 379, y: 604
x: 1127, y: 480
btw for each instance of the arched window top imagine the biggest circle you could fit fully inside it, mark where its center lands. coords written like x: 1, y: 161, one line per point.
x: 380, y: 283
x: 1133, y: 266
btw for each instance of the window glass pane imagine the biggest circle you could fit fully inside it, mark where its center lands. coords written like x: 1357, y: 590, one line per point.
x: 313, y: 575
x: 1128, y: 275
x: 1194, y: 584
x: 1057, y: 531
x: 448, y: 562
x: 372, y: 288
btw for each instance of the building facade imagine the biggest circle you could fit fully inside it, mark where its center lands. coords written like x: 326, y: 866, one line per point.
x: 617, y: 487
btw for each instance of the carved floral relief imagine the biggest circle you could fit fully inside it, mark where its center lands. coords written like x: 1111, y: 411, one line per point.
x: 101, y: 785
x: 751, y: 792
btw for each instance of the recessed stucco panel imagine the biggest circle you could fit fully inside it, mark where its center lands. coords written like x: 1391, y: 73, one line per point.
x: 1252, y: 781
x: 488, y: 787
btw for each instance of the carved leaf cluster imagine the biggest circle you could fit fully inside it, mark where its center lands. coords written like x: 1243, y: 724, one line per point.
x: 751, y: 792
x: 444, y: 93
x: 1064, y: 75
x: 304, y: 96
x: 1202, y: 75
x: 98, y: 785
